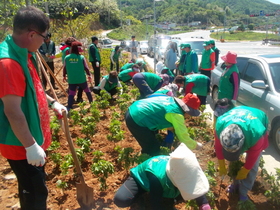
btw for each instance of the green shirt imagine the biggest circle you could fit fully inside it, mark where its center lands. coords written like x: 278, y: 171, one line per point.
x: 252, y: 121
x: 157, y: 166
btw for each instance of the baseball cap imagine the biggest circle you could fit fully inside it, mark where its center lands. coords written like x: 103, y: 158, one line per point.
x: 212, y: 41
x: 190, y: 104
x: 232, y: 140
x: 113, y: 79
x: 185, y: 45
x: 206, y: 43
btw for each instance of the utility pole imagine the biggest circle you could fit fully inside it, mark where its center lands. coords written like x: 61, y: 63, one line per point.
x: 154, y: 44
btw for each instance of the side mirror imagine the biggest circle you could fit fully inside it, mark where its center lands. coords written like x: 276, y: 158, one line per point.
x: 259, y: 84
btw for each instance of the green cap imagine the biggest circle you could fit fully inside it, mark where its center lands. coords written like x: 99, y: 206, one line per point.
x: 206, y: 43
x: 185, y: 45
x: 212, y: 41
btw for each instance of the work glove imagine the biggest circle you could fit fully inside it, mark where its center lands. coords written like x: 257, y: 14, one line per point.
x: 35, y: 155
x: 233, y: 102
x: 242, y: 173
x: 57, y: 108
x: 97, y: 64
x: 198, y: 146
x: 52, y: 56
x: 222, y: 167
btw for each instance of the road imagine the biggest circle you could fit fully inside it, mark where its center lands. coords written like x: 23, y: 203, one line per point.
x: 271, y: 157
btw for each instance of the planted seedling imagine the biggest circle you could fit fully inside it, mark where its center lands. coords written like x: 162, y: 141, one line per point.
x: 102, y: 169
x: 84, y: 144
x: 97, y: 155
x: 126, y: 157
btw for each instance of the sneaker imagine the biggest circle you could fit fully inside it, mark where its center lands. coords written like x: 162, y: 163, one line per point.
x: 205, y: 207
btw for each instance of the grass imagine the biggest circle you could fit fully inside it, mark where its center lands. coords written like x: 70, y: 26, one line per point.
x: 243, y: 36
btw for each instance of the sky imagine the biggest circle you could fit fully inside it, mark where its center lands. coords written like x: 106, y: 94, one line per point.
x: 274, y: 1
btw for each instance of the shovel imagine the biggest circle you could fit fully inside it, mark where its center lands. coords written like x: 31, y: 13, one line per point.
x: 84, y: 192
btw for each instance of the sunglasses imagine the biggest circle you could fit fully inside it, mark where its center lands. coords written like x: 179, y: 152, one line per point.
x: 45, y: 37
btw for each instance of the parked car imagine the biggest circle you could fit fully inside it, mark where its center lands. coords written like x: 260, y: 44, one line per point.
x: 156, y: 41
x: 105, y: 43
x: 125, y: 44
x: 259, y: 88
x: 143, y: 47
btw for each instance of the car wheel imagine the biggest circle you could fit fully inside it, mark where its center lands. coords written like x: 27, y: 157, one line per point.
x: 215, y: 94
x: 276, y: 136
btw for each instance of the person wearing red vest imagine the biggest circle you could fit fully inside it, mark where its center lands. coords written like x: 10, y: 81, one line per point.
x: 25, y: 124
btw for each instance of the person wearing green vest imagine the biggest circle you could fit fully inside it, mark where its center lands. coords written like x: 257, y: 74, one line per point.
x: 229, y: 80
x: 166, y: 70
x: 115, y: 57
x: 126, y: 75
x: 191, y: 61
x: 166, y: 176
x: 75, y: 68
x: 25, y: 131
x: 128, y: 65
x: 95, y: 59
x: 180, y: 63
x: 145, y: 117
x: 195, y: 83
x: 207, y: 63
x: 148, y: 82
x: 47, y: 50
x: 142, y: 64
x: 241, y: 129
x: 109, y: 83
x: 216, y: 50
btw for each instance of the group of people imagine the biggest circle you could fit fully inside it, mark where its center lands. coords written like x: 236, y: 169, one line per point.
x: 25, y: 131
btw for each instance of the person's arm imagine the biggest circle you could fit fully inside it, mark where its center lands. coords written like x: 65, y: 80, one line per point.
x: 156, y: 192
x: 234, y: 79
x: 86, y: 67
x: 188, y: 88
x: 194, y: 60
x: 121, y: 89
x: 181, y: 131
x: 218, y: 148
x: 212, y: 59
x: 111, y: 57
x: 254, y: 152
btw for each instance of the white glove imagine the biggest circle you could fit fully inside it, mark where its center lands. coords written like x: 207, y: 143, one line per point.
x: 97, y: 64
x: 57, y: 107
x: 233, y: 102
x: 35, y: 155
x: 198, y: 146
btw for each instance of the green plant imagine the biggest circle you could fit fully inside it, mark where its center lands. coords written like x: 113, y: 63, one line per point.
x: 97, y: 155
x: 116, y: 134
x: 211, y: 171
x: 56, y: 158
x: 164, y: 151
x: 75, y: 116
x: 126, y: 158
x: 61, y: 184
x: 141, y: 158
x: 94, y: 111
x: 54, y: 145
x: 88, y: 126
x: 273, y: 193
x: 55, y: 127
x: 80, y: 155
x: 123, y: 107
x: 83, y: 111
x: 234, y: 167
x: 245, y: 205
x: 102, y: 169
x: 135, y: 93
x: 84, y: 144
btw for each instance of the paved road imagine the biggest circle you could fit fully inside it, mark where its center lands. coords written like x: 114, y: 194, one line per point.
x: 271, y: 157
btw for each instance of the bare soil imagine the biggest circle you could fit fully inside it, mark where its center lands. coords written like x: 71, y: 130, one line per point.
x: 66, y: 199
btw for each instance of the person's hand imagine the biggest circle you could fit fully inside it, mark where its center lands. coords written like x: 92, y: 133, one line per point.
x: 97, y: 64
x: 242, y: 173
x: 64, y: 79
x: 47, y: 55
x: 198, y: 146
x: 222, y: 167
x: 52, y: 57
x: 35, y: 155
x: 57, y: 107
x: 233, y: 102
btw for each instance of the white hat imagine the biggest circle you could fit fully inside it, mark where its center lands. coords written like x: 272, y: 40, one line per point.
x: 173, y: 88
x: 186, y: 174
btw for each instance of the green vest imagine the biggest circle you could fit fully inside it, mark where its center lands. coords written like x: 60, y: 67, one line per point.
x: 189, y: 63
x: 157, y: 166
x: 127, y: 66
x: 75, y: 69
x: 182, y: 60
x: 225, y: 86
x: 205, y: 59
x: 161, y: 91
x: 48, y: 50
x: 150, y: 112
x: 64, y: 53
x: 152, y: 79
x: 29, y: 106
x: 97, y: 54
x: 109, y: 86
x: 116, y: 55
x: 252, y: 121
x: 124, y: 76
x: 201, y: 83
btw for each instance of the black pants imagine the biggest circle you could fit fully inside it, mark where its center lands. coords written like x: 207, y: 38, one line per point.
x: 206, y: 73
x: 96, y: 73
x: 44, y: 81
x: 145, y: 137
x: 97, y: 90
x: 32, y: 189
x: 117, y: 66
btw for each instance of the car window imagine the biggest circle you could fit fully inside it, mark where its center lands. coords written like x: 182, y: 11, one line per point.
x: 241, y: 64
x: 275, y: 74
x: 253, y: 72
x: 197, y: 46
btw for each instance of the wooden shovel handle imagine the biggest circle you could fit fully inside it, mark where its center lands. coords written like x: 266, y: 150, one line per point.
x: 72, y: 149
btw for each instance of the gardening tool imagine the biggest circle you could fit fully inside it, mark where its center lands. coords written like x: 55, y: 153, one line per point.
x: 221, y: 185
x: 84, y: 192
x: 41, y: 60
